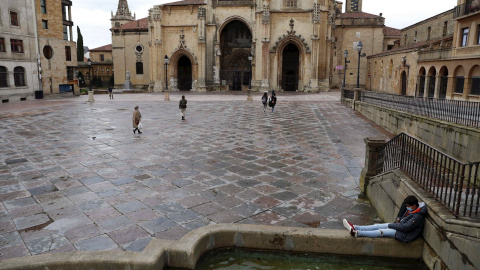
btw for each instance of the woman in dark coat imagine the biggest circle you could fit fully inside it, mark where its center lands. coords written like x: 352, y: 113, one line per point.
x: 273, y: 100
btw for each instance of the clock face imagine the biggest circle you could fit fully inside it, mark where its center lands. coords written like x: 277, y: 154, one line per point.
x: 354, y: 5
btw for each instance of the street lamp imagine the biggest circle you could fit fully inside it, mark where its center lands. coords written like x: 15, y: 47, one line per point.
x: 359, y: 49
x: 345, y: 54
x: 90, y: 92
x: 167, y: 96
x: 249, y: 97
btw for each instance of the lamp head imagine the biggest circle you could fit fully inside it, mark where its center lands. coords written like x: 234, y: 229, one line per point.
x: 250, y: 57
x: 359, y: 46
x: 345, y: 54
x: 165, y: 59
x: 89, y: 62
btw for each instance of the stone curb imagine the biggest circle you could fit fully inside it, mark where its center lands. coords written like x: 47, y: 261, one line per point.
x: 185, y: 252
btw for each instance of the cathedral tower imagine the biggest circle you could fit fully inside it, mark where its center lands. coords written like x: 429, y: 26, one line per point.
x: 353, y: 5
x: 123, y: 14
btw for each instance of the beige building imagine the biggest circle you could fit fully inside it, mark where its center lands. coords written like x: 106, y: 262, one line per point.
x: 223, y: 44
x: 57, y: 49
x: 101, y: 65
x: 18, y: 51
x: 438, y: 57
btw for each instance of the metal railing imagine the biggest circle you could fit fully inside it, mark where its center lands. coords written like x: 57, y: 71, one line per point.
x: 348, y: 93
x: 455, y: 111
x: 465, y: 9
x: 450, y: 181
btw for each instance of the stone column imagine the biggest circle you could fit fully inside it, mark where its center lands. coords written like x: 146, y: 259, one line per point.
x: 450, y: 86
x: 201, y: 66
x: 371, y: 154
x: 438, y: 80
x: 466, y: 87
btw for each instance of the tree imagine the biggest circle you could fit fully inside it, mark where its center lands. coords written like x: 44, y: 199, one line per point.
x: 80, y: 50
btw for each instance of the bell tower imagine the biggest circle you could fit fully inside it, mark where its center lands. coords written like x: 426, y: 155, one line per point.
x: 353, y: 5
x: 123, y: 14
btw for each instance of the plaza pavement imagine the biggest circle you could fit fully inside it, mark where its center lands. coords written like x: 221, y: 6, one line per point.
x: 73, y: 176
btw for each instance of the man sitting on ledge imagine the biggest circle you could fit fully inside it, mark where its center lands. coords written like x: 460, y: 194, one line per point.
x: 407, y: 226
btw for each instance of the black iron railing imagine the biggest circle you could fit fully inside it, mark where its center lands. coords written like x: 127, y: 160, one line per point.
x: 348, y: 93
x: 450, y: 181
x: 465, y: 9
x: 454, y: 111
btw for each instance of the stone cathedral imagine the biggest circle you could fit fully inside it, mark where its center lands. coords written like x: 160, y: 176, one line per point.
x: 205, y: 45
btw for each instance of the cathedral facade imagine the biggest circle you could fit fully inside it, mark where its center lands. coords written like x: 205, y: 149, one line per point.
x: 204, y: 45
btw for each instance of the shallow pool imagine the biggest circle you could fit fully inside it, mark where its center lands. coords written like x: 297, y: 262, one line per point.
x: 243, y: 259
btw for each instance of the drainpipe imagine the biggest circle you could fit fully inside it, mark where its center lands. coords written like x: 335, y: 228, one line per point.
x: 37, y: 48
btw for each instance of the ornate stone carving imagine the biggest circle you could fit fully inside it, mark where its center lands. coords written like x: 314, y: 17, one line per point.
x: 266, y: 14
x: 291, y: 35
x: 157, y: 13
x: 202, y: 13
x: 316, y: 13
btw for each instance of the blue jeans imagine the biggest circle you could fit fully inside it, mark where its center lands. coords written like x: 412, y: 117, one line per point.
x: 376, y: 230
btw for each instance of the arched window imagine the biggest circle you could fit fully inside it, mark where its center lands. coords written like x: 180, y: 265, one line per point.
x: 139, y: 67
x: 3, y: 77
x: 475, y: 77
x: 19, y: 76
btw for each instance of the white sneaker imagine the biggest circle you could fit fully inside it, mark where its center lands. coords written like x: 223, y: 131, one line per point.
x: 348, y: 226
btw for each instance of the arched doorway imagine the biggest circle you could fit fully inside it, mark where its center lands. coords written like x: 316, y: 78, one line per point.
x: 290, y: 66
x: 421, y: 82
x: 184, y: 75
x: 404, y: 83
x: 235, y: 47
x: 443, y: 83
x: 432, y: 77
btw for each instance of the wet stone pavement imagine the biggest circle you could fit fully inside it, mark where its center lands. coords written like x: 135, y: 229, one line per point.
x: 73, y: 176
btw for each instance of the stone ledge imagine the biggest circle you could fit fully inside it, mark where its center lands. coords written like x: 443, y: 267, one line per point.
x: 186, y: 252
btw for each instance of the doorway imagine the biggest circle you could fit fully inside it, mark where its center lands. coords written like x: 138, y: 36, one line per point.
x: 184, y: 74
x: 290, y: 67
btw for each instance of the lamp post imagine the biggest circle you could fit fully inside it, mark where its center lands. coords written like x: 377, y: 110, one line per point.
x: 90, y: 92
x: 359, y: 49
x: 345, y: 54
x: 167, y: 96
x: 249, y: 97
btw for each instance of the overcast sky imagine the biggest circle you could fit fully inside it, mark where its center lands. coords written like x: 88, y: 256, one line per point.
x: 93, y: 16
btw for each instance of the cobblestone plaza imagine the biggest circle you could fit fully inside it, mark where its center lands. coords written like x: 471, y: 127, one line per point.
x: 73, y: 176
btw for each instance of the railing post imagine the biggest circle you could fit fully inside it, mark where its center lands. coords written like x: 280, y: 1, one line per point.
x: 356, y: 96
x: 371, y: 156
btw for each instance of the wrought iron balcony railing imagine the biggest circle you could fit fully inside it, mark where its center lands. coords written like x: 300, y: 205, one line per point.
x: 464, y: 9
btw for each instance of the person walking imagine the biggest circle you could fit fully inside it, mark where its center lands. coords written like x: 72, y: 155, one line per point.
x: 183, y: 106
x: 110, y: 92
x: 407, y: 226
x: 273, y: 100
x: 137, y: 116
x: 264, y: 101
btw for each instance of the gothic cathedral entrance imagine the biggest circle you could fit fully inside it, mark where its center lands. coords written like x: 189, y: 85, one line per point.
x: 235, y: 46
x: 290, y: 67
x: 184, y: 74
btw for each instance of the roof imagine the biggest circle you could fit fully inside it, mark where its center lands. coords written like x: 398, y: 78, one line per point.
x: 103, y: 48
x: 141, y: 24
x: 186, y: 2
x: 412, y: 46
x: 389, y: 31
x: 357, y: 15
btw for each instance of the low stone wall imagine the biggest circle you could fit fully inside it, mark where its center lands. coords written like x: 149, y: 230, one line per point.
x: 455, y: 140
x: 450, y: 243
x: 186, y: 252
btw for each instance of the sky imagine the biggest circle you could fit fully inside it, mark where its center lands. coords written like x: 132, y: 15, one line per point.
x: 93, y: 16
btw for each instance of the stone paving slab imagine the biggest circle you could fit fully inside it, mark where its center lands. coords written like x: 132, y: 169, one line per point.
x: 73, y: 176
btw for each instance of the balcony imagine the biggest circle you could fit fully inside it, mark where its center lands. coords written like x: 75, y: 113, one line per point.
x: 227, y: 3
x: 469, y: 7
x: 434, y: 55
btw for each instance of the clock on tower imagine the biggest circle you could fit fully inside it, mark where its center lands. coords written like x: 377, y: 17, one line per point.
x: 353, y: 5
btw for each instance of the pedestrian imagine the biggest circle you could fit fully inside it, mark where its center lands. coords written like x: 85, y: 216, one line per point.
x: 137, y: 116
x: 110, y: 92
x: 407, y: 226
x: 264, y: 100
x: 183, y: 106
x: 273, y: 100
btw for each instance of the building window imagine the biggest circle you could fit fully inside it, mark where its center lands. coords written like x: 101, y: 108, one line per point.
x: 291, y: 3
x: 2, y: 45
x: 102, y: 57
x: 14, y: 18
x: 464, y: 37
x: 43, y: 6
x: 139, y: 67
x: 48, y: 52
x: 68, y: 53
x: 65, y: 32
x: 3, y: 77
x: 19, y: 76
x: 44, y: 24
x: 459, y: 82
x: 475, y: 86
x: 445, y: 28
x: 16, y: 45
x: 429, y: 31
x: 101, y: 70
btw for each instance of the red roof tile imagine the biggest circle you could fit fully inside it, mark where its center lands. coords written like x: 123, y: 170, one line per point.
x: 103, y: 48
x: 357, y: 15
x: 135, y: 25
x: 389, y: 31
x: 185, y: 2
x: 412, y: 46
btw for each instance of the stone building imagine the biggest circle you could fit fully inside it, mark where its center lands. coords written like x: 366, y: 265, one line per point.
x: 57, y: 48
x: 102, y: 64
x: 18, y: 51
x: 438, y: 57
x: 226, y: 44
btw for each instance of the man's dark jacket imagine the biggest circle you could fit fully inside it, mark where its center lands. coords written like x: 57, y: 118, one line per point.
x: 410, y: 225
